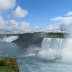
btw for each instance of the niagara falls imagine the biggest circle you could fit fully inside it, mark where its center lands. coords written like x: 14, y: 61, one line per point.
x: 35, y: 35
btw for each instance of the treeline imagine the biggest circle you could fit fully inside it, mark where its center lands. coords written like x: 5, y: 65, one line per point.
x: 38, y: 34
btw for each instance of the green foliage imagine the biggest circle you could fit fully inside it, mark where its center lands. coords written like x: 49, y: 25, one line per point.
x: 5, y: 69
x: 10, y: 63
x: 2, y: 62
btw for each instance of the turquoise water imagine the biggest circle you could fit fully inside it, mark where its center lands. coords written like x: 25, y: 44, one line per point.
x: 28, y: 61
x: 40, y: 65
x: 9, y: 49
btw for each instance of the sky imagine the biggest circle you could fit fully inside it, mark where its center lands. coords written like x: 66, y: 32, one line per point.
x: 22, y: 16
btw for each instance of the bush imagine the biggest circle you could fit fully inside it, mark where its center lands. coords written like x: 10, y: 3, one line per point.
x: 2, y: 62
x: 10, y: 63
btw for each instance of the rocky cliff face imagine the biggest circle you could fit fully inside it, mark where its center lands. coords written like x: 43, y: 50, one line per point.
x: 29, y: 39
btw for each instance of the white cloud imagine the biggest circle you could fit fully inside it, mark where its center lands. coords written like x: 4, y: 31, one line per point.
x: 53, y: 28
x: 50, y: 28
x: 66, y: 26
x: 69, y: 13
x: 37, y: 29
x: 65, y: 23
x: 17, y: 27
x: 24, y: 27
x: 61, y: 18
x: 13, y: 26
x: 18, y: 13
x: 7, y: 4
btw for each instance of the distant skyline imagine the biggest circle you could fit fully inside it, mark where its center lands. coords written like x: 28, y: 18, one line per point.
x: 21, y: 16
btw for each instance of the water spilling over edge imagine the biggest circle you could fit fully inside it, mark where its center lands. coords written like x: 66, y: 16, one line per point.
x: 10, y: 38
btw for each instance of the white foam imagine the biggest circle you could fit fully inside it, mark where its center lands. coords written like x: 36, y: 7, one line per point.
x: 51, y: 48
x: 67, y: 51
x: 49, y: 54
x: 10, y: 38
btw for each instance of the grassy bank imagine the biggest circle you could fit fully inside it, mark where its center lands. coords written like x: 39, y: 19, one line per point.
x: 8, y: 65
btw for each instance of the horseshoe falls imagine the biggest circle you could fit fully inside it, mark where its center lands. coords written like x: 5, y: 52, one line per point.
x: 54, y: 55
x: 51, y: 48
x: 56, y: 48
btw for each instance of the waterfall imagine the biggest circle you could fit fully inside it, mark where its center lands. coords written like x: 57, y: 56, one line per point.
x: 67, y: 51
x: 10, y: 38
x: 54, y: 43
x: 51, y: 48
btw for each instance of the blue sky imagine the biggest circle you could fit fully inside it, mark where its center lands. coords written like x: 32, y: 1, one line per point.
x: 35, y: 15
x: 41, y: 11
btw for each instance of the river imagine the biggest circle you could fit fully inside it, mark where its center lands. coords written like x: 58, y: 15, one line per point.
x: 53, y: 56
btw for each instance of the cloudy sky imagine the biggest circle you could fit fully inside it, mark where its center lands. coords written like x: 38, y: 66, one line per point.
x: 21, y: 16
